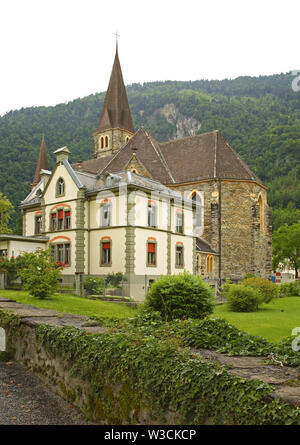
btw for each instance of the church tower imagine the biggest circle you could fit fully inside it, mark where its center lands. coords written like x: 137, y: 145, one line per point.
x: 42, y: 164
x: 115, y: 125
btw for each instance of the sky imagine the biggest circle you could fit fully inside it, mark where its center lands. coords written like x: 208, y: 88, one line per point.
x: 55, y: 51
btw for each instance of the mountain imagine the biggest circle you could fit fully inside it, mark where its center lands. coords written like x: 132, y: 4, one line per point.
x: 259, y: 116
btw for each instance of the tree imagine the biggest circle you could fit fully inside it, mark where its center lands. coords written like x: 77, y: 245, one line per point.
x: 6, y: 208
x: 39, y: 274
x: 286, y: 246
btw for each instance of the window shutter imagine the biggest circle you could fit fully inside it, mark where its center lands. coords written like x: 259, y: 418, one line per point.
x: 106, y: 245
x: 67, y: 213
x: 151, y: 248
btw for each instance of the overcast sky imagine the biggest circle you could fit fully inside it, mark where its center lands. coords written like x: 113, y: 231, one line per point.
x: 54, y: 51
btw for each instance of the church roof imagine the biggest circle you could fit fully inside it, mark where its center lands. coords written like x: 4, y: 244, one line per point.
x: 92, y: 165
x: 42, y: 163
x: 195, y: 158
x: 116, y: 112
x: 148, y: 152
x: 203, y: 246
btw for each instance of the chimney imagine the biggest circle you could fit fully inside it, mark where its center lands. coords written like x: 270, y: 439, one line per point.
x: 61, y: 154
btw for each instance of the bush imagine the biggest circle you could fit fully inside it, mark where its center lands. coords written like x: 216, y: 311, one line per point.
x: 39, y: 274
x: 242, y: 298
x: 291, y: 289
x: 249, y: 275
x: 267, y: 289
x: 180, y: 296
x: 94, y: 286
x: 115, y: 279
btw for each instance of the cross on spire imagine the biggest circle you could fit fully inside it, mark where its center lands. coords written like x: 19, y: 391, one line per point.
x: 117, y: 35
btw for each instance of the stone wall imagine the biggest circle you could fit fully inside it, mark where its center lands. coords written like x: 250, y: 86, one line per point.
x: 118, y: 404
x: 233, y: 227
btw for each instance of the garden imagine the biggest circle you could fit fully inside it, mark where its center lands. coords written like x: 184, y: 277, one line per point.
x: 255, y: 306
x: 149, y: 350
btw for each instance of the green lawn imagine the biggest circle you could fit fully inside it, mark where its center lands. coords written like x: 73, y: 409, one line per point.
x: 73, y: 304
x: 273, y: 321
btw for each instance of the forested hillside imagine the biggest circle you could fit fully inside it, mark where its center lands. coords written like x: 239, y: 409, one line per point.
x: 260, y: 118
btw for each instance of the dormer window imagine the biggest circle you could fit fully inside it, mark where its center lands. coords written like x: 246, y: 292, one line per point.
x: 60, y: 187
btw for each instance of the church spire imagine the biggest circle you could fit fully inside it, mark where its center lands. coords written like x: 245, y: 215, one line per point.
x: 42, y: 163
x: 116, y: 112
x: 115, y: 125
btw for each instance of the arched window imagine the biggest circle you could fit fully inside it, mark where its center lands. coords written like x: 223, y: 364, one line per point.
x: 198, y: 264
x: 196, y: 198
x: 105, y: 214
x: 152, y: 215
x: 209, y: 264
x: 261, y: 213
x: 102, y: 142
x: 127, y: 139
x: 60, y: 187
x: 106, y: 141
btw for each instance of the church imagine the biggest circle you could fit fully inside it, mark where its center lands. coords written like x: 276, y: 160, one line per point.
x: 146, y: 208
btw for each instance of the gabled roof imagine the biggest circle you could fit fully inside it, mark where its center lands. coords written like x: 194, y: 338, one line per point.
x: 116, y: 112
x: 42, y: 163
x: 92, y: 165
x: 147, y: 151
x: 205, y: 156
x: 202, y: 157
x: 203, y: 246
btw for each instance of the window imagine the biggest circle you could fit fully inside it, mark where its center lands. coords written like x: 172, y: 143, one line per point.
x: 105, y: 215
x: 60, y: 187
x: 3, y: 253
x: 197, y: 200
x: 102, y: 142
x: 151, y: 253
x: 105, y: 253
x: 52, y: 252
x: 53, y: 221
x: 198, y: 264
x: 61, y: 253
x: 126, y: 139
x: 179, y: 256
x: 67, y: 220
x: 152, y: 214
x: 209, y: 264
x: 67, y: 254
x: 106, y: 141
x: 179, y: 221
x: 60, y: 220
x: 38, y: 224
x: 60, y: 216
x: 261, y: 213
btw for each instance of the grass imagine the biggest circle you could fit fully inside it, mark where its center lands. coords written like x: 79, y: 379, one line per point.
x: 72, y: 304
x: 273, y: 321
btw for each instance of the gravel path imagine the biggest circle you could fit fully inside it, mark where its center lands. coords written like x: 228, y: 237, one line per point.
x: 24, y: 400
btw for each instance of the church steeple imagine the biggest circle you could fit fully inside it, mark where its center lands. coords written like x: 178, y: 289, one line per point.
x: 115, y: 125
x: 42, y: 163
